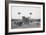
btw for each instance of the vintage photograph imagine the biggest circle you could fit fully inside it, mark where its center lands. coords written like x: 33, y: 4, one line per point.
x: 25, y: 17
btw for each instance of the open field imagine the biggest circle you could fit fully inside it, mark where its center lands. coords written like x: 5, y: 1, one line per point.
x: 16, y: 24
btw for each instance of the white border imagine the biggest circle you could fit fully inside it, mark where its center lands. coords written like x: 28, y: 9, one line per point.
x: 27, y: 29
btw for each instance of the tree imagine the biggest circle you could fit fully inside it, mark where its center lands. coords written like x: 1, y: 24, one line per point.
x: 19, y: 14
x: 30, y: 13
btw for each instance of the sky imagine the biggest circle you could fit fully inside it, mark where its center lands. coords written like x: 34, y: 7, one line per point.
x: 25, y: 10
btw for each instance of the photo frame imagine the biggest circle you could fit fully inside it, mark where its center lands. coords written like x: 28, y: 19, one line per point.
x: 24, y: 17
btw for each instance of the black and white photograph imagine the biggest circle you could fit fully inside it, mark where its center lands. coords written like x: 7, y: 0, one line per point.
x: 24, y: 17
